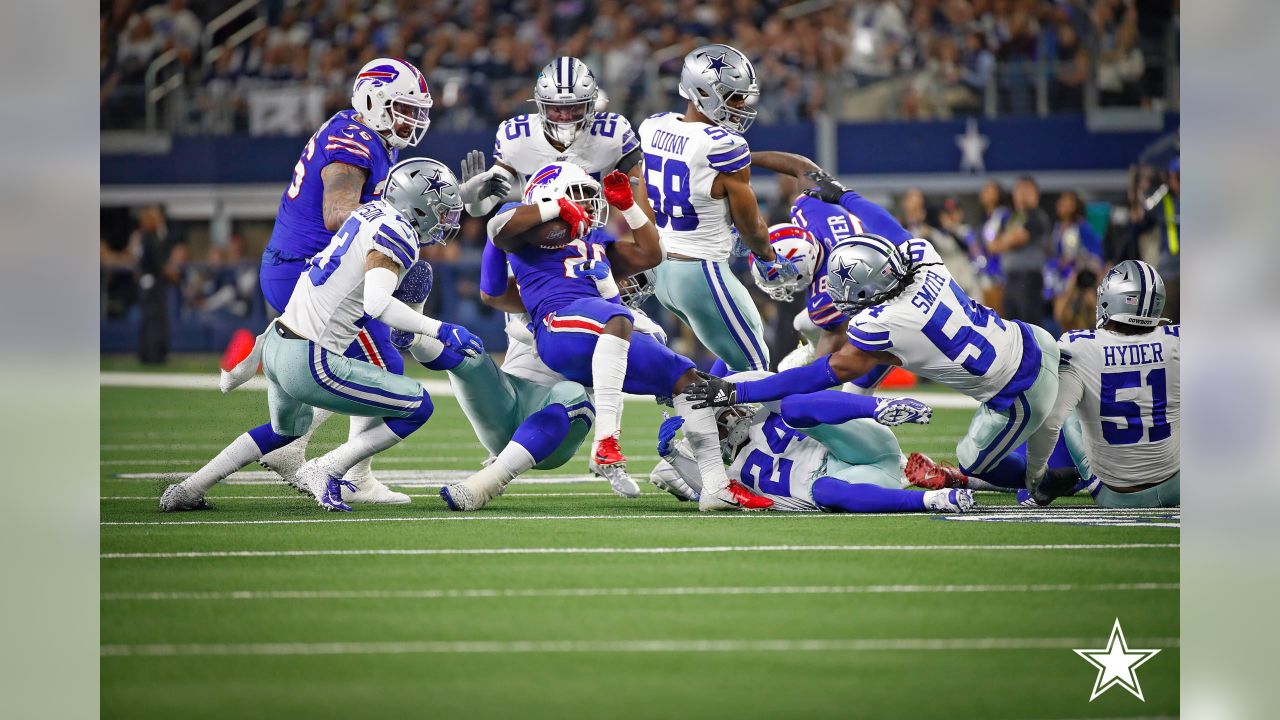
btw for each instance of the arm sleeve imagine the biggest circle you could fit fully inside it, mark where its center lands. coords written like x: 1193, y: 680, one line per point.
x: 874, y: 218
x: 379, y: 284
x: 686, y: 467
x: 1040, y: 445
x: 866, y: 334
x: 493, y: 270
x: 828, y: 407
x: 806, y: 379
x: 729, y: 155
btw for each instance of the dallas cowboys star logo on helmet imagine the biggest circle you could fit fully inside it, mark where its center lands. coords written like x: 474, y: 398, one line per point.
x: 718, y: 64
x: 435, y: 185
x: 844, y: 271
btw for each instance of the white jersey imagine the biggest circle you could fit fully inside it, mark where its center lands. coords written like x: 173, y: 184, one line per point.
x: 938, y: 332
x: 779, y: 462
x: 522, y: 361
x: 682, y: 160
x: 327, y: 304
x: 1129, y: 401
x: 523, y: 145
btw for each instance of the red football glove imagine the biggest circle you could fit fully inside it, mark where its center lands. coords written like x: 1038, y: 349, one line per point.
x: 579, y: 220
x: 617, y: 190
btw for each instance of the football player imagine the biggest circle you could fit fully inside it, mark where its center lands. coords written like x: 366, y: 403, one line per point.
x: 1122, y: 382
x: 819, y: 452
x: 698, y: 169
x: 570, y: 294
x: 905, y: 309
x: 343, y: 166
x: 349, y: 281
x: 566, y: 128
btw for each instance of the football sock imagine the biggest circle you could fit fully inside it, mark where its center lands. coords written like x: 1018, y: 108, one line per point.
x: 268, y: 439
x: 358, y: 425
x: 1008, y: 473
x: 828, y: 492
x: 828, y: 407
x: 242, y: 451
x: 704, y: 441
x: 541, y: 433
x: 608, y: 371
x: 368, y: 443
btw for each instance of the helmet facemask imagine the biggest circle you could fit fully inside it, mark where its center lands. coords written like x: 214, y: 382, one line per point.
x: 448, y: 220
x: 588, y: 197
x: 634, y: 290
x: 570, y: 119
x: 734, y: 424
x: 413, y: 113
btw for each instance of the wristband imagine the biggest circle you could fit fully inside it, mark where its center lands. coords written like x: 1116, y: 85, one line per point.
x: 431, y: 326
x: 549, y: 209
x: 635, y: 217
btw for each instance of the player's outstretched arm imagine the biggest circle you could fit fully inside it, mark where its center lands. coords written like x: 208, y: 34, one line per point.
x: 785, y: 163
x: 831, y: 340
x: 833, y: 407
x: 745, y: 212
x: 1040, y: 444
x: 645, y: 252
x: 483, y: 189
x: 381, y: 275
x: 841, y: 366
x: 342, y: 185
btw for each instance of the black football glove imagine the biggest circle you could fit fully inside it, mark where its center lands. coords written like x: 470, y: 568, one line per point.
x: 828, y: 189
x: 711, y: 391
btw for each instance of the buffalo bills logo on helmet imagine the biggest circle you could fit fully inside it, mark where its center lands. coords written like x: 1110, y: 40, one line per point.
x: 543, y: 177
x: 379, y: 75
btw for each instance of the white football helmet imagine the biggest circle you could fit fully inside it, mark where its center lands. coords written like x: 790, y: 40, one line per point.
x: 1132, y: 293
x: 567, y: 87
x: 567, y: 180
x: 390, y: 93
x: 797, y: 245
x: 634, y: 290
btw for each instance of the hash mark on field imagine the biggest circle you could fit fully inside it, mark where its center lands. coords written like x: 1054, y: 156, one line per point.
x: 626, y: 592
x: 616, y: 646
x: 629, y: 550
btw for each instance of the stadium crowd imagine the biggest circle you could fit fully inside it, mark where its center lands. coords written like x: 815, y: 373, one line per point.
x: 481, y: 54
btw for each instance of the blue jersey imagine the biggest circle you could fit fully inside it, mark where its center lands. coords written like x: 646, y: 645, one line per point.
x: 547, y: 279
x: 831, y: 224
x: 299, y: 231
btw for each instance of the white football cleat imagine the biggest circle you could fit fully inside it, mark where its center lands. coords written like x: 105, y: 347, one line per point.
x: 324, y: 486
x: 735, y: 496
x: 949, y: 501
x: 368, y: 491
x: 665, y: 477
x: 177, y: 498
x: 285, y: 462
x: 607, y: 460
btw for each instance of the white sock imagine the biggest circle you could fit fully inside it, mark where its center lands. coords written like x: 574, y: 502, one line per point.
x: 608, y: 371
x: 359, y: 424
x: 242, y: 451
x: 704, y: 440
x: 370, y: 442
x: 513, y: 460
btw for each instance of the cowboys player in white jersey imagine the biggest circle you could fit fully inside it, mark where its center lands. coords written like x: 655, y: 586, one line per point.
x: 1122, y: 383
x: 565, y: 128
x: 816, y: 452
x: 905, y: 309
x: 301, y: 352
x: 698, y: 169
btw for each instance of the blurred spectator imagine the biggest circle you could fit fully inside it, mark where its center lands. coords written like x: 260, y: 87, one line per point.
x: 176, y: 25
x: 1070, y: 71
x: 1076, y: 308
x: 161, y: 260
x: 1023, y: 247
x: 995, y: 213
x: 1076, y: 246
x: 878, y: 28
x: 915, y: 218
x: 227, y: 281
x: 1120, y: 67
x: 1162, y: 211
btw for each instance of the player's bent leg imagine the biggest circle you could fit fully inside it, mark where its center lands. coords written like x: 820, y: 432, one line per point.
x: 862, y: 443
x: 579, y: 409
x: 250, y: 446
x: 372, y: 345
x: 533, y: 442
x: 719, y: 310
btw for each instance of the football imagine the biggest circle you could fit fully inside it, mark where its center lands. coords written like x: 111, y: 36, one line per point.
x: 554, y: 233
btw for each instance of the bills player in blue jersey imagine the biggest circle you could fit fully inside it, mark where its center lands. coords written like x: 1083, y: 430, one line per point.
x: 569, y: 291
x: 345, y: 164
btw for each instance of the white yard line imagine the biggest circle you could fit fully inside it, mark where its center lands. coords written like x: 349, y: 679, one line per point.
x: 618, y: 646
x: 381, y: 460
x: 626, y: 592
x: 191, y: 381
x: 496, y: 518
x: 394, y: 478
x: 680, y: 550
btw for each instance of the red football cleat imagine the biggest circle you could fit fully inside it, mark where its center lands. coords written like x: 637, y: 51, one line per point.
x: 608, y: 452
x: 923, y: 472
x: 747, y: 499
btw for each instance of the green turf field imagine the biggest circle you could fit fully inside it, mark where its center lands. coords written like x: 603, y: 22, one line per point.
x: 561, y: 600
